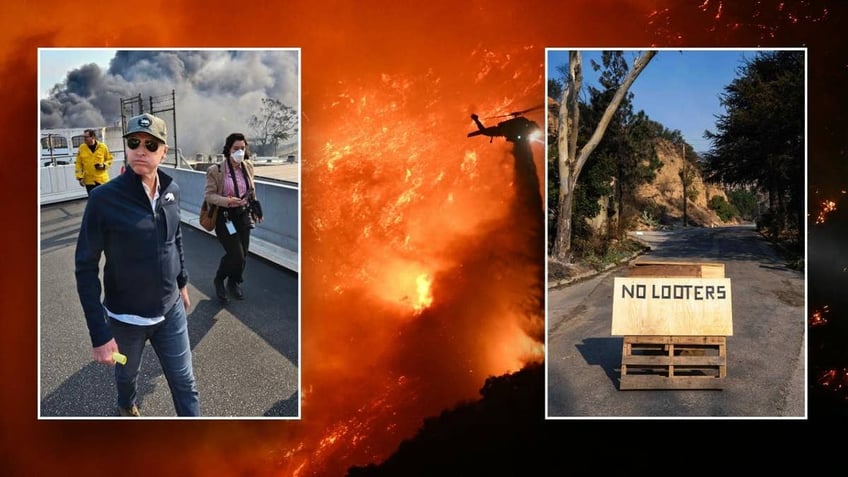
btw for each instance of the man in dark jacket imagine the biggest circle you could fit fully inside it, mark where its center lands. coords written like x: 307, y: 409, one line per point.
x: 134, y: 220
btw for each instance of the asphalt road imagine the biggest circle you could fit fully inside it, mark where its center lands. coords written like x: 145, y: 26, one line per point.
x: 245, y: 354
x: 766, y: 375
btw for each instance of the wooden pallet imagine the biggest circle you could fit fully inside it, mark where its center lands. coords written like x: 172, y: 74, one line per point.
x: 656, y: 268
x: 673, y: 362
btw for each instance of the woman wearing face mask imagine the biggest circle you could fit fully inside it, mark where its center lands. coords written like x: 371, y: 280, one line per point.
x: 229, y: 185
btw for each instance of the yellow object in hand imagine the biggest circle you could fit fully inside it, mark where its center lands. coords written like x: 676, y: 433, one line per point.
x: 119, y: 357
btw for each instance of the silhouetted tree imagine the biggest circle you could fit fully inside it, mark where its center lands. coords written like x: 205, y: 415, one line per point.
x: 275, y: 123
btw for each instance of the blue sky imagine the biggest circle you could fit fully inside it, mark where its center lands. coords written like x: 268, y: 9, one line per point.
x: 679, y: 88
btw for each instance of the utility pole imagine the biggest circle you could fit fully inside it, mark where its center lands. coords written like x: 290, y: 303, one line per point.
x: 685, y: 184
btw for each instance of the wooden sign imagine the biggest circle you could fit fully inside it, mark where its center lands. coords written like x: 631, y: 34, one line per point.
x: 669, y: 306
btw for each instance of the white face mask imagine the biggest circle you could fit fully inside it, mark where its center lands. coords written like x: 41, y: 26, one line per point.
x: 238, y: 156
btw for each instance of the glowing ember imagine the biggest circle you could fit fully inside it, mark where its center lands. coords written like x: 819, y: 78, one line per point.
x: 818, y: 317
x: 834, y: 380
x: 827, y: 206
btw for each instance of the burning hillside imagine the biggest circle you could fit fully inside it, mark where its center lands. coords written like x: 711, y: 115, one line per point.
x: 431, y: 249
x: 505, y: 423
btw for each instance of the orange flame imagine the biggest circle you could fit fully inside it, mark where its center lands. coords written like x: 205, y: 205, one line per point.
x: 425, y: 295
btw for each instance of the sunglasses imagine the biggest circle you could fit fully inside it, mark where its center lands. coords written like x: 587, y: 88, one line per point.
x: 152, y: 145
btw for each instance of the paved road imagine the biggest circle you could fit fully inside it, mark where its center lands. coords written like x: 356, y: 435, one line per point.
x: 246, y: 354
x: 765, y: 355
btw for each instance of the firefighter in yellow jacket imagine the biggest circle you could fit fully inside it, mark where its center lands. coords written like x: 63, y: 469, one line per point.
x: 93, y: 161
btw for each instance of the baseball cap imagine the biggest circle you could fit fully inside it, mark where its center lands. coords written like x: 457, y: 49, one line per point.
x: 150, y: 124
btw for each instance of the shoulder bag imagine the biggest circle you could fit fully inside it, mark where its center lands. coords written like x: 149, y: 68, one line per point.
x: 208, y: 216
x: 209, y: 213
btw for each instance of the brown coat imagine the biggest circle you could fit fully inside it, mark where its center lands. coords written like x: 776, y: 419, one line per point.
x: 215, y: 183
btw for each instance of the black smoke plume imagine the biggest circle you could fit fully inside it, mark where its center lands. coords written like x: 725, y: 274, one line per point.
x: 216, y: 91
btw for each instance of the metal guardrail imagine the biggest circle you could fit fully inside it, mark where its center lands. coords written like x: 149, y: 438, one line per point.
x: 276, y: 239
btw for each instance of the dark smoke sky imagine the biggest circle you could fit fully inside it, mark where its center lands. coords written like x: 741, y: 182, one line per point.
x: 216, y: 90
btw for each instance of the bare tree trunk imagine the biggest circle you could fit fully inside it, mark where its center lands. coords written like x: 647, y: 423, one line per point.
x: 781, y: 204
x: 571, y: 161
x: 569, y: 121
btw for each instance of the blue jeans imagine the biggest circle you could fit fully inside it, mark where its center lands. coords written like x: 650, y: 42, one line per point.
x: 170, y: 341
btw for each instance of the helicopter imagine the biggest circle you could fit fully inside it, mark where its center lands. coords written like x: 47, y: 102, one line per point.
x: 513, y: 130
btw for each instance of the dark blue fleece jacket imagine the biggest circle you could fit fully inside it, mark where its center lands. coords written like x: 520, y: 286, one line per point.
x: 144, y: 267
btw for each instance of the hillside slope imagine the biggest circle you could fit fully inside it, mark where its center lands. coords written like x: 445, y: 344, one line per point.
x: 662, y: 200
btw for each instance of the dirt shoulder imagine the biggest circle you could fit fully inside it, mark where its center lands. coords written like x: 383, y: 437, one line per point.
x: 562, y: 274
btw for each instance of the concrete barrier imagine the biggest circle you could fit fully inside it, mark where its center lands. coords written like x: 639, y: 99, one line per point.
x: 59, y: 183
x: 276, y: 239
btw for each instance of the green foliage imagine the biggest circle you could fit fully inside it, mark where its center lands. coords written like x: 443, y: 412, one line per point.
x: 553, y: 189
x: 692, y: 193
x: 745, y: 202
x: 796, y: 263
x: 650, y: 220
x: 673, y: 136
x: 613, y: 253
x: 555, y: 89
x: 759, y: 141
x: 595, y: 183
x: 654, y: 210
x: 768, y: 224
x: 722, y: 208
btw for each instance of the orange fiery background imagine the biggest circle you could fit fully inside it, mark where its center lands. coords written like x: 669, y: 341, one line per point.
x: 422, y: 255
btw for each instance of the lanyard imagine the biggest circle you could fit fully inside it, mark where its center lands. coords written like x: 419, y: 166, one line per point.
x: 235, y: 182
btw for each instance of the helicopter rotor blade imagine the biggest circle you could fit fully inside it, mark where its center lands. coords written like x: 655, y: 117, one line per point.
x: 517, y: 113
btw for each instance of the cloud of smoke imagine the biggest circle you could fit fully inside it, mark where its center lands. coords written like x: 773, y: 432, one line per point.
x: 216, y: 91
